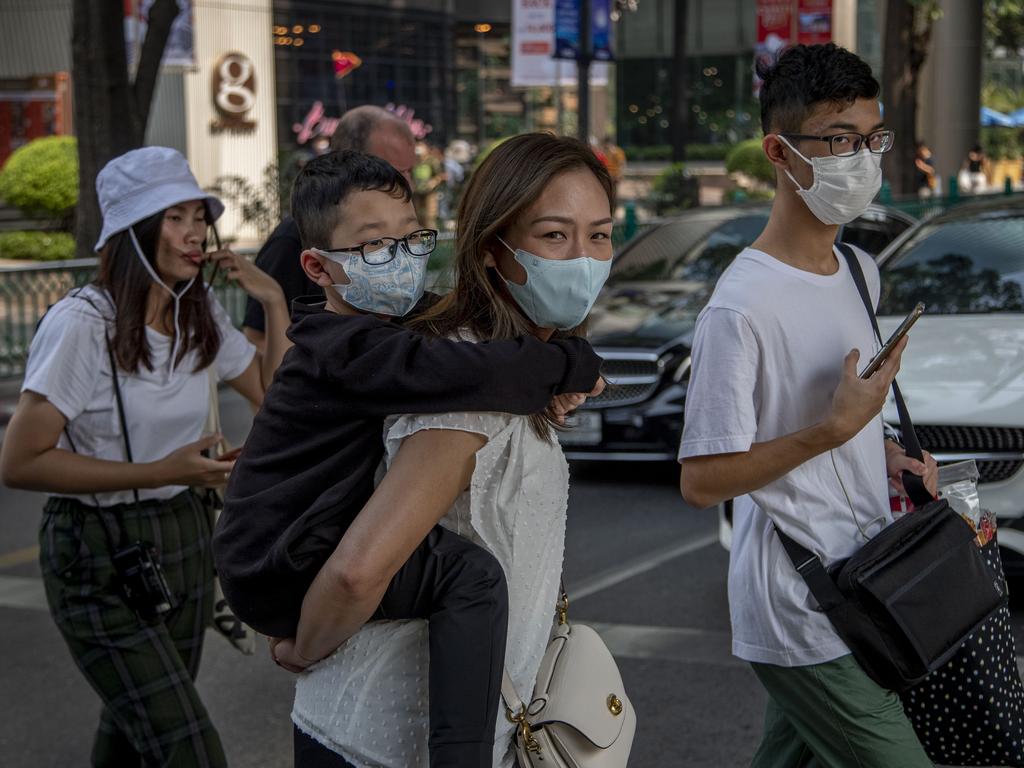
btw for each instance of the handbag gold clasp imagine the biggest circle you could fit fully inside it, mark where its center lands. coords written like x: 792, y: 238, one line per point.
x: 614, y: 704
x: 530, y: 744
x: 563, y: 609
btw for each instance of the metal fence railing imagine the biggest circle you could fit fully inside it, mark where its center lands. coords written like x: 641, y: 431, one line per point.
x: 27, y: 291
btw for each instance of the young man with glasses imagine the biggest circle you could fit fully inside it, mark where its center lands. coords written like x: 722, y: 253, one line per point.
x: 308, y: 465
x: 778, y: 418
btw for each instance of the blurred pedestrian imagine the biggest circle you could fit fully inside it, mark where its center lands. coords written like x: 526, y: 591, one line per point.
x: 109, y: 424
x: 456, y: 157
x: 368, y: 129
x: 778, y: 420
x: 427, y: 178
x: 972, y: 177
x: 925, y: 180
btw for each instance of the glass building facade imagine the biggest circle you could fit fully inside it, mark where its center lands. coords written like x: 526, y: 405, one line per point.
x: 406, y: 54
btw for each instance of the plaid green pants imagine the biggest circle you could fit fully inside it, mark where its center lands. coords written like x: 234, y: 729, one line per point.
x: 143, y: 672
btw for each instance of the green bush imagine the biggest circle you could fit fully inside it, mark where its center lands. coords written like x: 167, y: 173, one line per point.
x: 748, y: 195
x: 675, y: 189
x: 1002, y: 143
x: 748, y: 158
x: 41, y: 178
x: 37, y: 246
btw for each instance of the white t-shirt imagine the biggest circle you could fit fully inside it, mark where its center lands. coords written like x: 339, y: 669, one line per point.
x: 767, y: 358
x: 69, y: 366
x: 369, y: 700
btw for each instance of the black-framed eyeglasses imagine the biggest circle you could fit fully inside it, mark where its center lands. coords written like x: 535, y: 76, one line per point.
x: 851, y: 142
x: 382, y: 250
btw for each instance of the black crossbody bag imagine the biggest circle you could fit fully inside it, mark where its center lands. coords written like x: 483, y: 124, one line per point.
x: 908, y: 599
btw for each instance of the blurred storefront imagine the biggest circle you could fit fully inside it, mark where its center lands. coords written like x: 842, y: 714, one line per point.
x: 330, y: 56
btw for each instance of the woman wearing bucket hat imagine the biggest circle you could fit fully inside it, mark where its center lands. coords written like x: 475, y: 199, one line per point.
x: 110, y: 421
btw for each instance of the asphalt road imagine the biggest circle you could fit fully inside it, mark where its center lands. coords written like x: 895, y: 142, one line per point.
x: 640, y: 567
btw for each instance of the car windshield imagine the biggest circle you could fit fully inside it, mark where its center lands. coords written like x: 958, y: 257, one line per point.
x: 964, y: 266
x: 709, y: 259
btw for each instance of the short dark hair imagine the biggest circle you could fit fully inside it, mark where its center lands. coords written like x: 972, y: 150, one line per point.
x: 807, y: 75
x: 324, y: 183
x: 356, y: 126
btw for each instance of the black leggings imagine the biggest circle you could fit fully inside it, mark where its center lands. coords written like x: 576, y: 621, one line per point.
x: 460, y: 589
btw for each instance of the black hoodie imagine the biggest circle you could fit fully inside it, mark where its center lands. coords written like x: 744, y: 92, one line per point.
x: 308, y: 465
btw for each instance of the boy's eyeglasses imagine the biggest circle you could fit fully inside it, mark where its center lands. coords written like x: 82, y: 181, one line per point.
x: 850, y: 143
x: 382, y: 250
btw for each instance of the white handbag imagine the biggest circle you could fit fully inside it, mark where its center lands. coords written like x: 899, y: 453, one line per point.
x: 579, y: 716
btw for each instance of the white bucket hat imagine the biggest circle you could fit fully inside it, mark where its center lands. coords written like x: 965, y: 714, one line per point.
x: 143, y: 182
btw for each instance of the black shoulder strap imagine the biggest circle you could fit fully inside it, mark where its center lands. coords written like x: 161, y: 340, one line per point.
x: 914, y: 485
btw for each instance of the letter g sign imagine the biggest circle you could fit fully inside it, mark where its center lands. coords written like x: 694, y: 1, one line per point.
x: 234, y: 86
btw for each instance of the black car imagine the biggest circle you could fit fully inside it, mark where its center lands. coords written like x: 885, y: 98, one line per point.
x: 643, y: 322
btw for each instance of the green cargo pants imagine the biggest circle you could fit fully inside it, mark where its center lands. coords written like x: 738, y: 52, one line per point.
x: 833, y: 715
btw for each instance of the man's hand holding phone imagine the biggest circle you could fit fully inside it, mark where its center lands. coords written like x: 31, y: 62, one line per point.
x: 858, y: 400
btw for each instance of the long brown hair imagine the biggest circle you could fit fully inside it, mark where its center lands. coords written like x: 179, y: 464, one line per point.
x: 126, y: 280
x: 507, y: 183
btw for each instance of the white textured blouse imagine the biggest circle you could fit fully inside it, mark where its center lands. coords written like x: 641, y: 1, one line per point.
x: 369, y: 701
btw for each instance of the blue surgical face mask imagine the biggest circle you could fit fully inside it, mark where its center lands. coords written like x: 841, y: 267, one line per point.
x: 392, y: 289
x: 557, y: 293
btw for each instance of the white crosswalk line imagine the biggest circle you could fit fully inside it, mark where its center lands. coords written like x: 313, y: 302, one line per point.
x: 22, y: 592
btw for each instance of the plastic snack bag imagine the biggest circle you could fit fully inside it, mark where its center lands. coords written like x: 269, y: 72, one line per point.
x: 958, y: 484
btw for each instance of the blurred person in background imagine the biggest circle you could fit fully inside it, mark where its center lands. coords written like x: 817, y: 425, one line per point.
x: 368, y: 129
x: 427, y: 179
x: 925, y: 180
x: 972, y: 176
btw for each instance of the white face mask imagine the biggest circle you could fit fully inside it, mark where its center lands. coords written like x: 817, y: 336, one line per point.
x: 393, y: 288
x: 843, y: 187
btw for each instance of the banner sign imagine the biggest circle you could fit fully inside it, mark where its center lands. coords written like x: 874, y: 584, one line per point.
x: 567, y: 30
x: 774, y: 32
x: 533, y: 42
x: 814, y: 22
x: 179, y: 51
x: 533, y: 48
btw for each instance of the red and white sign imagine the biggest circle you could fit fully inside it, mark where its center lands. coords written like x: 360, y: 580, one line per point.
x: 814, y: 22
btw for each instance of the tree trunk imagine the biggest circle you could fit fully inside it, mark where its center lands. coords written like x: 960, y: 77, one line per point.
x: 905, y: 47
x: 680, y: 84
x: 111, y: 112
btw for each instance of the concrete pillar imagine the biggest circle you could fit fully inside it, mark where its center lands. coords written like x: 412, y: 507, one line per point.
x: 844, y: 24
x: 951, y: 90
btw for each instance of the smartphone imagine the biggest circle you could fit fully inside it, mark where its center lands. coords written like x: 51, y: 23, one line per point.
x: 886, y: 350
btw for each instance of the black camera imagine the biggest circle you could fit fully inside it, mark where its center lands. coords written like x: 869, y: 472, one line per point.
x: 142, y: 581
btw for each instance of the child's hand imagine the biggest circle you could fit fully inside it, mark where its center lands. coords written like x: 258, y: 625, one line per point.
x: 562, y: 405
x: 282, y: 651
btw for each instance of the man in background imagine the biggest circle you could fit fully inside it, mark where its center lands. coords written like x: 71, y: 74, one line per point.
x: 368, y: 129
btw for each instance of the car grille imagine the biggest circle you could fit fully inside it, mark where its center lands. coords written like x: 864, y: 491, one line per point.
x: 622, y: 394
x: 968, y: 440
x: 614, y: 368
x: 630, y: 380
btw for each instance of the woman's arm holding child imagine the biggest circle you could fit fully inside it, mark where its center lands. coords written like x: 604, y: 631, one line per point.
x: 429, y: 472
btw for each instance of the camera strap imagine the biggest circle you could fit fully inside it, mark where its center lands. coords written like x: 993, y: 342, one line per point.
x: 122, y: 537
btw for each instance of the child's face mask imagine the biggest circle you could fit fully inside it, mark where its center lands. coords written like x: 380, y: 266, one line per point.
x: 387, y: 281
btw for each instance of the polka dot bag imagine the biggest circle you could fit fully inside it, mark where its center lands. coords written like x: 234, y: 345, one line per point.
x: 971, y: 711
